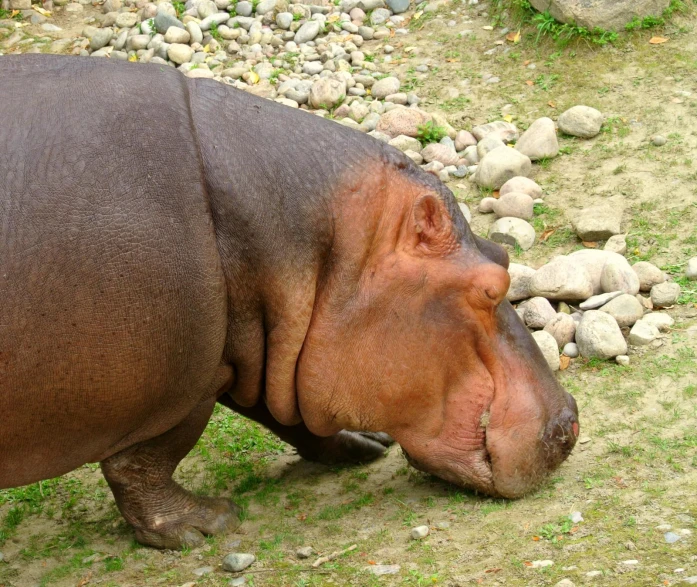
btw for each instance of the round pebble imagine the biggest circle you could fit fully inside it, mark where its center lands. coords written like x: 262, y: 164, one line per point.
x: 658, y: 141
x: 419, y: 532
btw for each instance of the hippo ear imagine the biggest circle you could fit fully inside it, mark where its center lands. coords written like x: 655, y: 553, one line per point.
x: 432, y: 222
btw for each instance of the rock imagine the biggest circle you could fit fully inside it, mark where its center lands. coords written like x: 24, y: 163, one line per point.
x: 326, y: 93
x: 464, y: 139
x: 195, y: 32
x: 625, y: 309
x: 658, y: 141
x: 214, y: 19
x: 642, y: 333
x: 539, y: 141
x: 565, y: 583
x: 304, y: 552
x: 200, y: 572
x: 513, y: 231
x: 550, y: 350
x: 599, y: 300
x: 500, y: 165
x: 691, y: 271
x: 312, y: 67
x: 538, y: 312
x: 137, y: 42
x: 180, y: 53
x: 514, y: 204
x: 403, y: 121
x: 520, y: 276
x: 581, y: 121
x: 384, y: 87
x: 522, y: 185
x: 442, y: 153
x: 571, y: 349
x: 2, y: 557
x: 419, y: 532
x: 471, y: 155
x: 646, y: 302
x: 505, y: 131
x: 237, y: 582
x: 398, y: 6
x: 562, y: 279
x: 307, y: 32
x: 237, y: 561
x: 622, y: 360
x: 101, y: 38
x: 562, y: 328
x: 126, y: 20
x: 594, y: 261
x: 266, y: 6
x: 486, y: 206
x: 541, y: 564
x: 604, y: 14
x: 176, y: 35
x: 383, y: 569
x: 617, y: 275
x: 379, y: 16
x: 488, y: 144
x: 164, y: 20
x: 617, y: 244
x: 284, y: 20
x: 598, y: 335
x: 660, y: 320
x: 671, y: 537
x: 415, y: 156
x: 665, y: 294
x: 405, y: 143
x: 597, y: 223
x: 648, y: 274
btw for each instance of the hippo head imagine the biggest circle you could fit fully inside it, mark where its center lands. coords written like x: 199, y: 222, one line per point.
x: 411, y: 334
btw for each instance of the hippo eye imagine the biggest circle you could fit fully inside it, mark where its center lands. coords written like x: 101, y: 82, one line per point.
x: 492, y: 293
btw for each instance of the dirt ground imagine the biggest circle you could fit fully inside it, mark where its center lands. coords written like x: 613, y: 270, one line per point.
x: 634, y: 472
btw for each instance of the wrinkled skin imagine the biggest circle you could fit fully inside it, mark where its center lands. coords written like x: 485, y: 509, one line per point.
x: 165, y: 247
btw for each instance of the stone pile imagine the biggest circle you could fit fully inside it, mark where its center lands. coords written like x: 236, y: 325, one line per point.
x: 591, y: 302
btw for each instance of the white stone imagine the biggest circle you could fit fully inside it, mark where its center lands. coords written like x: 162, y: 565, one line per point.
x: 520, y: 282
x: 500, y: 165
x: 539, y: 141
x: 538, y: 312
x: 597, y: 223
x: 512, y: 231
x: 550, y: 350
x: 642, y: 333
x: 648, y: 274
x: 541, y: 564
x: 562, y: 279
x: 576, y: 517
x: 617, y: 275
x: 580, y: 121
x: 622, y: 360
x: 665, y: 294
x: 571, y: 349
x: 419, y: 532
x: 562, y: 328
x: 617, y: 244
x: 465, y: 211
x: 515, y: 205
x: 522, y: 185
x: 598, y: 335
x: 599, y: 300
x: 486, y: 206
x: 691, y: 271
x: 660, y: 320
x: 625, y: 309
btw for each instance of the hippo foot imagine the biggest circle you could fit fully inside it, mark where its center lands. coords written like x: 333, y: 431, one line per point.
x: 205, y: 516
x: 346, y: 448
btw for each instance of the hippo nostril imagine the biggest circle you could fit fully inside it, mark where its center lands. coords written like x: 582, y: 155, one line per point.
x: 574, y: 427
x: 563, y: 428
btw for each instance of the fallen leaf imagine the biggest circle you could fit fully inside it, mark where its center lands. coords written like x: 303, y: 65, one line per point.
x: 372, y: 563
x: 657, y: 40
x: 302, y: 517
x: 508, y: 118
x: 253, y: 76
x: 500, y: 43
x: 564, y: 362
x: 529, y: 82
x: 547, y: 233
x: 526, y: 62
x: 551, y: 104
x: 535, y: 538
x: 527, y: 563
x: 86, y: 579
x: 513, y: 37
x: 676, y: 101
x: 589, y: 245
x: 14, y: 13
x: 41, y: 11
x: 133, y: 58
x: 417, y: 15
x: 495, y: 570
x: 496, y: 194
x: 451, y: 60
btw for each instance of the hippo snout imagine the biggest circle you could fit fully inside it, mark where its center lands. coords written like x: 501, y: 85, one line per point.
x: 561, y: 432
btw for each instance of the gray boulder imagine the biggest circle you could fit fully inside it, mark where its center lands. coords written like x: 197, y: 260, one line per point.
x: 598, y: 335
x: 512, y: 231
x: 500, y: 165
x: 625, y: 309
x: 604, y: 14
x: 539, y: 141
x: 550, y: 351
x: 581, y: 121
x: 520, y: 276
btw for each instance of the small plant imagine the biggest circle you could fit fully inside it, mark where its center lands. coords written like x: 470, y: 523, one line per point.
x: 296, y: 16
x: 556, y: 532
x: 430, y: 133
x: 215, y: 33
x: 179, y: 8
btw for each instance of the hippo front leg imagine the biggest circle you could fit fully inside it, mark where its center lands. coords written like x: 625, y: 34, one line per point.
x: 163, y: 514
x: 342, y: 448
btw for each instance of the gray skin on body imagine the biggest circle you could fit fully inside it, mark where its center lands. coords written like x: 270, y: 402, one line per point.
x: 150, y: 225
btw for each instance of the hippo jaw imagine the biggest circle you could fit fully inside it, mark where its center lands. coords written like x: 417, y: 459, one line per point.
x: 526, y: 430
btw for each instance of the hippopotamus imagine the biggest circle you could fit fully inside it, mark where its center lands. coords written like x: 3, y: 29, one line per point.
x: 170, y: 242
